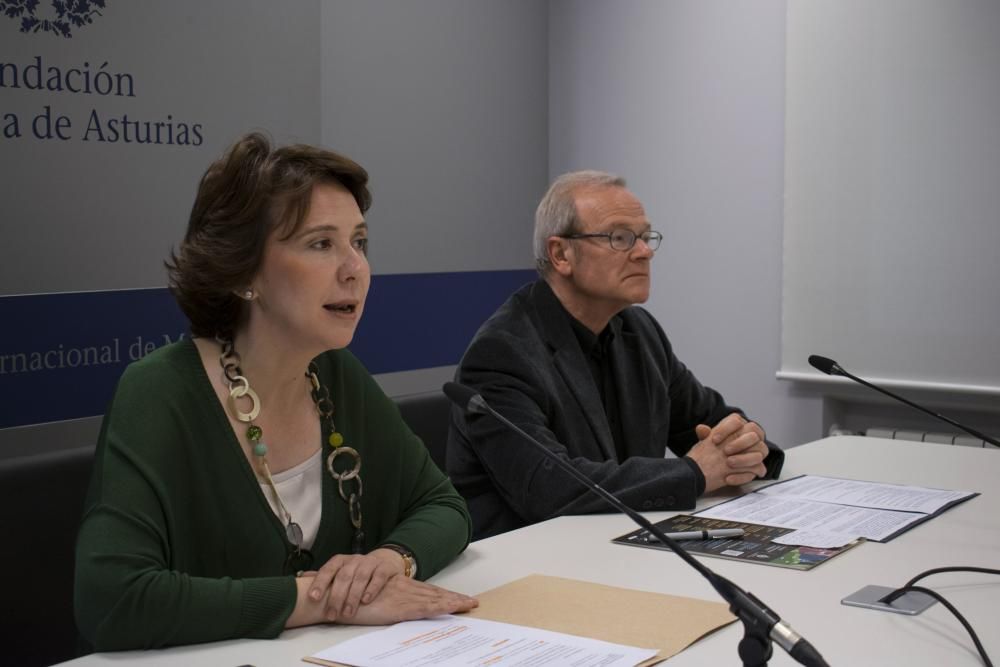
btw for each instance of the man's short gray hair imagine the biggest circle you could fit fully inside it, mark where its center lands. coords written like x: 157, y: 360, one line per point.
x: 556, y: 214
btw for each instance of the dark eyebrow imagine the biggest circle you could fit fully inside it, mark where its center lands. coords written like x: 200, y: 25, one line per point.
x: 361, y: 226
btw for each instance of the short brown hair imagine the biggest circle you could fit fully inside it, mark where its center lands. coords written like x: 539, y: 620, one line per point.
x: 244, y: 196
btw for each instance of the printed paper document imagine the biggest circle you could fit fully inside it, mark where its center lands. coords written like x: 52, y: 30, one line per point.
x: 453, y: 641
x: 828, y: 512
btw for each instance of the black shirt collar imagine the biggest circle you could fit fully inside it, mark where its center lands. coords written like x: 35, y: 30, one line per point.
x: 594, y: 344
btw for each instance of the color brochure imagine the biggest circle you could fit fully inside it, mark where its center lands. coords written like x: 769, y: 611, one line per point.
x: 806, y: 520
x: 756, y: 546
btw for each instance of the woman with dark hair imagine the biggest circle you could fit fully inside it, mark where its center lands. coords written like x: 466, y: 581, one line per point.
x: 255, y: 477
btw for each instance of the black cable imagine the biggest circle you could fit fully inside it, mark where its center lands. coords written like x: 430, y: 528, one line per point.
x: 909, y: 586
x: 940, y: 598
x: 898, y: 593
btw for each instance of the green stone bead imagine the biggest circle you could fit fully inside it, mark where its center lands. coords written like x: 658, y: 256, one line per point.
x: 254, y: 433
x: 259, y: 449
x: 336, y: 440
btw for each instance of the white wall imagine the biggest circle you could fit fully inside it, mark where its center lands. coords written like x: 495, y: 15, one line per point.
x: 686, y: 101
x: 892, y: 161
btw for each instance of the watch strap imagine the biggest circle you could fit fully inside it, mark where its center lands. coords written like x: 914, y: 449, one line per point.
x: 409, y: 562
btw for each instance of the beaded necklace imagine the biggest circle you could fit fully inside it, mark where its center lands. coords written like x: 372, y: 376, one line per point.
x: 347, y: 474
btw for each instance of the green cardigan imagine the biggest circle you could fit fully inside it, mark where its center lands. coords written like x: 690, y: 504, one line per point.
x: 178, y: 544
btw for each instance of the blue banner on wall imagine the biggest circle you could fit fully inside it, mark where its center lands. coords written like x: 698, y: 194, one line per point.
x: 61, y: 354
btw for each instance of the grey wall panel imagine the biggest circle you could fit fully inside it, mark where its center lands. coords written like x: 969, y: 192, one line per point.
x: 87, y: 214
x: 444, y: 101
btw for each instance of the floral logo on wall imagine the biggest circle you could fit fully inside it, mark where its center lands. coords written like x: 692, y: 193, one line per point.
x: 60, y: 17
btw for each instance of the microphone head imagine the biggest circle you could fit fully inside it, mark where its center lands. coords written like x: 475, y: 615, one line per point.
x: 824, y: 365
x: 459, y: 394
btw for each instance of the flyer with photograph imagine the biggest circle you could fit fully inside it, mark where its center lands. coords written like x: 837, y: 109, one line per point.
x: 757, y: 545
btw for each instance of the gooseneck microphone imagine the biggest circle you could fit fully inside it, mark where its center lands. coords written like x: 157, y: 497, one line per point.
x: 831, y: 367
x: 761, y: 625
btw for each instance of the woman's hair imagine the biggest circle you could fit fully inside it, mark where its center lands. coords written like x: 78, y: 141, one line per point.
x: 249, y: 193
x: 556, y: 214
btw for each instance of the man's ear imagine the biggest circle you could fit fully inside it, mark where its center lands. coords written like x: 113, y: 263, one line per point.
x: 560, y: 253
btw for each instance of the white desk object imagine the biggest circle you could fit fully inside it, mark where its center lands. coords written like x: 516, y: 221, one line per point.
x: 579, y: 547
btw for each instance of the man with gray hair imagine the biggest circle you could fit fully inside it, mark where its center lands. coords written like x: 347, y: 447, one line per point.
x: 572, y: 361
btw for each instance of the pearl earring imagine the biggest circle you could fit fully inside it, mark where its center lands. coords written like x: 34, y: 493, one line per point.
x: 248, y: 295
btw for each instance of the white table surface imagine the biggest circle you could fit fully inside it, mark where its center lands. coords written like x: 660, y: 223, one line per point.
x: 579, y: 547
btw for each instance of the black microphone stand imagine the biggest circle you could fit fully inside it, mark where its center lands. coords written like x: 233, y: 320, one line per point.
x: 760, y: 624
x: 831, y: 367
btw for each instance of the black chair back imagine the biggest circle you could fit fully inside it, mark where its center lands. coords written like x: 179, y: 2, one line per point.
x: 40, y: 512
x: 427, y: 415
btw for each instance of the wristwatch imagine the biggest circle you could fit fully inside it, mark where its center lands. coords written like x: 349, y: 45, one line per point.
x: 409, y: 562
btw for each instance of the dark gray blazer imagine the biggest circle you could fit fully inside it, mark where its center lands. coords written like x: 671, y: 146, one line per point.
x: 527, y: 363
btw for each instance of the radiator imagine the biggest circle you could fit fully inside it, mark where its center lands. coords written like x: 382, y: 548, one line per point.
x: 910, y: 434
x: 925, y: 436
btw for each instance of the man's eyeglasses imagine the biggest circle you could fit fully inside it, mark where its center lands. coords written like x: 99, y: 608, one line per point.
x: 623, y: 239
